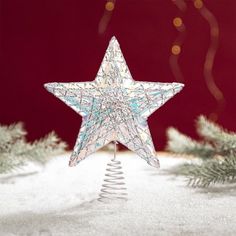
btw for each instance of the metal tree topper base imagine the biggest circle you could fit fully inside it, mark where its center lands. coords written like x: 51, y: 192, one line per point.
x: 113, y: 187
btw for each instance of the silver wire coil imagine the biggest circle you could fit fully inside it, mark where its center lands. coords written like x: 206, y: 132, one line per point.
x: 113, y: 187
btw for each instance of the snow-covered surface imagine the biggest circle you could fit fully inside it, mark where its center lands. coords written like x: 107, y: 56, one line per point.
x: 60, y: 200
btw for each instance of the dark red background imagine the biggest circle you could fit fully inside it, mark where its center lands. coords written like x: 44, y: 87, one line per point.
x: 54, y: 40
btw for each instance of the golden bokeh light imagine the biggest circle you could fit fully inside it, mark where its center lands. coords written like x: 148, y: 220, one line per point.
x: 176, y: 49
x: 177, y: 22
x: 110, y: 6
x: 198, y: 4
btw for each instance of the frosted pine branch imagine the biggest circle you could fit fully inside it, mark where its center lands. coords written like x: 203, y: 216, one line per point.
x: 182, y: 144
x: 218, y: 144
x: 223, y: 140
x: 15, y: 151
x: 40, y: 150
x: 9, y: 163
x: 9, y: 135
x: 212, y: 172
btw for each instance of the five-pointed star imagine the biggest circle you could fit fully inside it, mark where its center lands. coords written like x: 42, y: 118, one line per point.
x: 114, y: 107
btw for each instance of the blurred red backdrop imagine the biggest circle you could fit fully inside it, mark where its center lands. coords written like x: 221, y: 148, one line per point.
x: 54, y: 40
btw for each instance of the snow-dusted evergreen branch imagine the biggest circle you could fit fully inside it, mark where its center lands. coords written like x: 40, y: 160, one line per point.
x: 223, y: 140
x: 182, y: 144
x: 15, y: 150
x: 211, y: 172
x: 10, y: 135
x: 218, y: 144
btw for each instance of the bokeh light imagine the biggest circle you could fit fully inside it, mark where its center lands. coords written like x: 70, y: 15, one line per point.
x: 177, y: 22
x: 176, y: 49
x: 110, y: 6
x: 198, y: 4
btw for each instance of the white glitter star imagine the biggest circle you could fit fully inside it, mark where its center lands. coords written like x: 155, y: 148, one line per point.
x: 114, y: 107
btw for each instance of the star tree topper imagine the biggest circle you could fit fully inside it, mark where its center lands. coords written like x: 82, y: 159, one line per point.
x: 114, y: 107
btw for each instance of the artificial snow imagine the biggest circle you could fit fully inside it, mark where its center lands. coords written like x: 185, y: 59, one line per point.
x: 57, y: 200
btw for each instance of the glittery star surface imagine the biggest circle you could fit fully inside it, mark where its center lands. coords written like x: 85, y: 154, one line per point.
x: 114, y: 107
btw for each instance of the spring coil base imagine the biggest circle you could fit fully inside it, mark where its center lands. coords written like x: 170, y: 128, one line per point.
x: 114, y: 187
